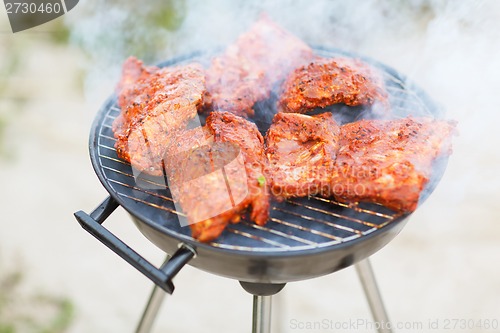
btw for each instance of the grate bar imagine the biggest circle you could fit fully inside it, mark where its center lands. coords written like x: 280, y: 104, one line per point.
x: 334, y: 214
x: 117, y: 171
x: 375, y: 228
x: 312, y: 231
x: 111, y: 117
x: 357, y: 208
x: 248, y: 248
x: 334, y: 225
x: 131, y: 176
x: 142, y: 190
x: 280, y: 233
x: 114, y: 160
x: 108, y: 137
x: 107, y: 147
x: 257, y: 238
x: 153, y: 205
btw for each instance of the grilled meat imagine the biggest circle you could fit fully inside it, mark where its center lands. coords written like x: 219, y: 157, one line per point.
x: 228, y: 127
x: 133, y: 72
x: 301, y: 152
x: 325, y: 82
x: 215, y: 173
x: 382, y: 161
x: 155, y: 104
x: 208, y: 190
x: 247, y: 71
x: 389, y: 161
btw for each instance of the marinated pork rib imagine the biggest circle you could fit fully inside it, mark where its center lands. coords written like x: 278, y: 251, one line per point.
x: 230, y: 128
x: 155, y: 104
x: 133, y: 72
x: 247, y: 71
x: 301, y: 152
x: 389, y: 161
x: 217, y: 172
x: 325, y: 82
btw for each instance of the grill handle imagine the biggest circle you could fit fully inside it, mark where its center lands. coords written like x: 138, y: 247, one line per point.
x: 161, y: 276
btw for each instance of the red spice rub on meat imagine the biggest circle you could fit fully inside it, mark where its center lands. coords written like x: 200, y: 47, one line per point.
x: 301, y: 152
x: 389, y: 161
x: 248, y: 69
x: 217, y: 172
x: 133, y: 72
x: 325, y: 82
x: 155, y: 103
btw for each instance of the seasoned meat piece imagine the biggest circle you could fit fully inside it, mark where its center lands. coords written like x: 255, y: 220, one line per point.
x: 389, y: 161
x: 133, y: 72
x: 247, y: 71
x: 228, y: 127
x: 301, y: 151
x: 325, y: 82
x: 155, y: 106
x: 207, y: 181
x: 216, y: 173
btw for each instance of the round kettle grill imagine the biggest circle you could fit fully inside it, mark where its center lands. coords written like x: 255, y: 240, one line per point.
x: 304, y: 237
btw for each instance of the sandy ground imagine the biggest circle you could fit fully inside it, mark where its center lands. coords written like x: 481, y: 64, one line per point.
x: 443, y: 266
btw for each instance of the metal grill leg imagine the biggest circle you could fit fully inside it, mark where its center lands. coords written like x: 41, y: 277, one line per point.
x: 152, y: 308
x: 261, y: 320
x: 151, y: 311
x: 367, y: 278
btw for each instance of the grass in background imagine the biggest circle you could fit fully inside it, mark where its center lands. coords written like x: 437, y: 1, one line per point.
x: 31, y: 313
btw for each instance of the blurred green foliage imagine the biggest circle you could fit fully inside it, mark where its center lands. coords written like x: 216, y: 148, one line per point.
x: 39, y: 313
x: 112, y: 30
x: 60, y: 32
x: 168, y: 15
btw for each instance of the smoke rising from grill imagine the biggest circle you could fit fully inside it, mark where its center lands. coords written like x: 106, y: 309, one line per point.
x: 433, y: 42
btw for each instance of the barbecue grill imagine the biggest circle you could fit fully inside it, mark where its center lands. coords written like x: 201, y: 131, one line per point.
x: 304, y: 237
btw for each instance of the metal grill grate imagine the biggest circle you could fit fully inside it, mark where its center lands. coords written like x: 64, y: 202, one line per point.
x: 294, y: 225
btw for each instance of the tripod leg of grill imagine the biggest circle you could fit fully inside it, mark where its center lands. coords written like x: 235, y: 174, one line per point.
x: 367, y: 278
x: 151, y: 311
x: 261, y: 321
x: 152, y: 308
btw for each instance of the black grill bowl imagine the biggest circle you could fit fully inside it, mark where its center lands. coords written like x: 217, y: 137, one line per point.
x: 276, y: 267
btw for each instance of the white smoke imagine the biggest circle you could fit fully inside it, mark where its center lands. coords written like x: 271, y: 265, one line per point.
x: 450, y: 48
